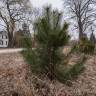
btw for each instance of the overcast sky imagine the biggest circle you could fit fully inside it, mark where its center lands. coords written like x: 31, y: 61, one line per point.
x: 55, y: 3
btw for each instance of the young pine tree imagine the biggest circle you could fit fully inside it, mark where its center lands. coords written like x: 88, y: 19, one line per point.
x: 51, y: 34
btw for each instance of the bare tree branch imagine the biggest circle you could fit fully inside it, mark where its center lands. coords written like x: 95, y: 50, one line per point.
x: 82, y: 12
x: 11, y: 12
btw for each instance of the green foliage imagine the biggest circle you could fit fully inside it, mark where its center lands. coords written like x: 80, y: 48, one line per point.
x: 51, y: 38
x: 31, y: 57
x: 49, y: 29
x: 51, y: 35
x: 65, y: 74
x: 26, y: 42
x: 85, y: 46
x: 75, y: 70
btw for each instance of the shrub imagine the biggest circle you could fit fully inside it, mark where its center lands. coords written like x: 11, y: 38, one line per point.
x: 85, y: 46
x: 66, y: 75
x: 50, y: 38
x: 26, y: 42
x: 51, y: 35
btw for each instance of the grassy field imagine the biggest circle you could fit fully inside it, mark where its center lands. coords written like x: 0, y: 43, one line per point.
x: 15, y: 77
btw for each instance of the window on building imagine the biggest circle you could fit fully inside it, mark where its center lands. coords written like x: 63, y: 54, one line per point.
x: 1, y: 42
x: 2, y: 36
x: 6, y: 37
x: 6, y: 42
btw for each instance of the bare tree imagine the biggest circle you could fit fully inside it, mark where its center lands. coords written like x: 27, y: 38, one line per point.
x: 82, y: 12
x: 12, y: 11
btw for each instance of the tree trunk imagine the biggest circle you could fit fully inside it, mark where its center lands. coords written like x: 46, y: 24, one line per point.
x: 80, y: 30
x: 51, y: 64
x: 11, y: 41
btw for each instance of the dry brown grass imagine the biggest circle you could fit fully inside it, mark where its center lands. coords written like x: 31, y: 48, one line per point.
x: 16, y: 77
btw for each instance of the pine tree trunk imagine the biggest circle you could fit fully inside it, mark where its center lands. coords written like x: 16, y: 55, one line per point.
x: 51, y: 63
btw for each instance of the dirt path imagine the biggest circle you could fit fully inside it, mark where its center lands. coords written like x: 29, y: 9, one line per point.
x: 2, y: 51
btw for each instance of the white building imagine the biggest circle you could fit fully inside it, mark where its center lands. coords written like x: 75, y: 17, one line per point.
x: 3, y: 39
